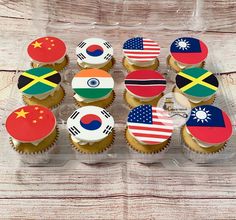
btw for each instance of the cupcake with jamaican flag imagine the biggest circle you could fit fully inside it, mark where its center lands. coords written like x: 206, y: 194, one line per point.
x: 140, y: 53
x: 41, y: 86
x: 144, y: 87
x: 206, y: 133
x: 33, y: 133
x: 93, y: 87
x: 95, y: 53
x: 91, y: 132
x: 198, y: 85
x: 48, y: 51
x: 187, y: 52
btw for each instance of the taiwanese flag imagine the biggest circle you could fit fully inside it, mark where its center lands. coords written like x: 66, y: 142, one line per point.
x: 188, y: 50
x: 209, y: 124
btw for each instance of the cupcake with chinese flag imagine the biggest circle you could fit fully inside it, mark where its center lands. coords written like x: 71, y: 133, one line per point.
x: 140, y: 53
x: 144, y: 87
x: 187, y: 52
x: 206, y: 133
x: 41, y: 86
x: 33, y: 132
x: 198, y: 85
x: 148, y: 133
x: 93, y: 87
x: 95, y: 53
x: 48, y: 52
x: 91, y: 132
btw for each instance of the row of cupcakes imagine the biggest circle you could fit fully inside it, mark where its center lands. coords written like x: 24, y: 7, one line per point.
x: 139, y: 53
x: 33, y: 132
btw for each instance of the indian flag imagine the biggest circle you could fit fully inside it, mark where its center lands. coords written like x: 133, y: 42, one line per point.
x: 92, y: 83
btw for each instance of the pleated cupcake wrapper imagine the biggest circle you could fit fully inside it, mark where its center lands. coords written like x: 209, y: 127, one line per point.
x: 192, y: 102
x: 60, y: 71
x: 168, y: 64
x: 123, y: 59
x: 55, y: 106
x: 199, y: 157
x: 144, y: 157
x: 106, y: 106
x: 92, y: 157
x: 40, y: 157
x: 126, y: 102
x: 113, y: 60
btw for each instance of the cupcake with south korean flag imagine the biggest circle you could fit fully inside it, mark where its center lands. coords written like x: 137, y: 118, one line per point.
x: 91, y: 132
x: 148, y: 133
x: 206, y: 133
x: 140, y: 53
x: 95, y: 53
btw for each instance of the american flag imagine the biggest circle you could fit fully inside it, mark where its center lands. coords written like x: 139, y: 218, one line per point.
x: 150, y: 125
x: 141, y: 49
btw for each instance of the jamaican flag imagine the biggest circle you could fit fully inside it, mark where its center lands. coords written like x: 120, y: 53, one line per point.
x: 38, y: 80
x: 197, y: 82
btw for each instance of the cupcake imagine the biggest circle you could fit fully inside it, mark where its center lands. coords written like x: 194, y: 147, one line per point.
x: 187, y: 52
x: 93, y: 87
x: 140, y: 53
x: 206, y: 133
x: 91, y: 133
x: 148, y: 133
x: 41, y: 86
x: 144, y: 87
x: 95, y: 53
x: 33, y: 132
x: 198, y: 85
x: 49, y: 52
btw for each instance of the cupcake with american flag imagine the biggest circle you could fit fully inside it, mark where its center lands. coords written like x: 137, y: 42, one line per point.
x: 148, y: 133
x: 140, y: 53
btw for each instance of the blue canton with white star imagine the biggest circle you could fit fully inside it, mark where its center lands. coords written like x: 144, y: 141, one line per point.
x: 134, y: 44
x: 141, y: 114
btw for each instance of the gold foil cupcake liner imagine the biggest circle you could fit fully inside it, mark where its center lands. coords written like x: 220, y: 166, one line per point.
x: 199, y: 157
x: 113, y: 62
x: 62, y: 70
x: 93, y: 157
x: 170, y: 67
x: 39, y: 157
x: 53, y: 107
x: 123, y: 59
x: 144, y: 157
x: 77, y: 103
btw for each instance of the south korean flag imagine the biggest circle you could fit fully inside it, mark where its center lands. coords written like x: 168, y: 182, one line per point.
x: 94, y: 51
x: 90, y: 124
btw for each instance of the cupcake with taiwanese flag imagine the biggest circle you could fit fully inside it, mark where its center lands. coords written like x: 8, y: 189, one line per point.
x: 187, y: 52
x: 198, y: 85
x: 33, y: 132
x: 93, y: 87
x: 144, y: 87
x: 148, y: 133
x: 41, y: 86
x: 95, y: 53
x: 49, y: 52
x: 140, y: 53
x: 91, y: 131
x: 206, y: 133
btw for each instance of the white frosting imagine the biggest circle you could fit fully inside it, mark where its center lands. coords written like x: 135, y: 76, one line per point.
x: 197, y: 99
x: 140, y: 64
x: 183, y: 66
x: 200, y: 143
x: 141, y: 98
x: 40, y: 64
x: 80, y: 141
x: 82, y: 99
x: 88, y: 65
x: 44, y: 95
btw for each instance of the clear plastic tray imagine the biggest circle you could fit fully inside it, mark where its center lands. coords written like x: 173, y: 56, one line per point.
x: 116, y: 32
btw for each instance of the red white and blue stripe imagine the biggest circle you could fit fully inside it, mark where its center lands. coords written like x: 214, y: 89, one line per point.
x: 141, y: 49
x: 150, y: 125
